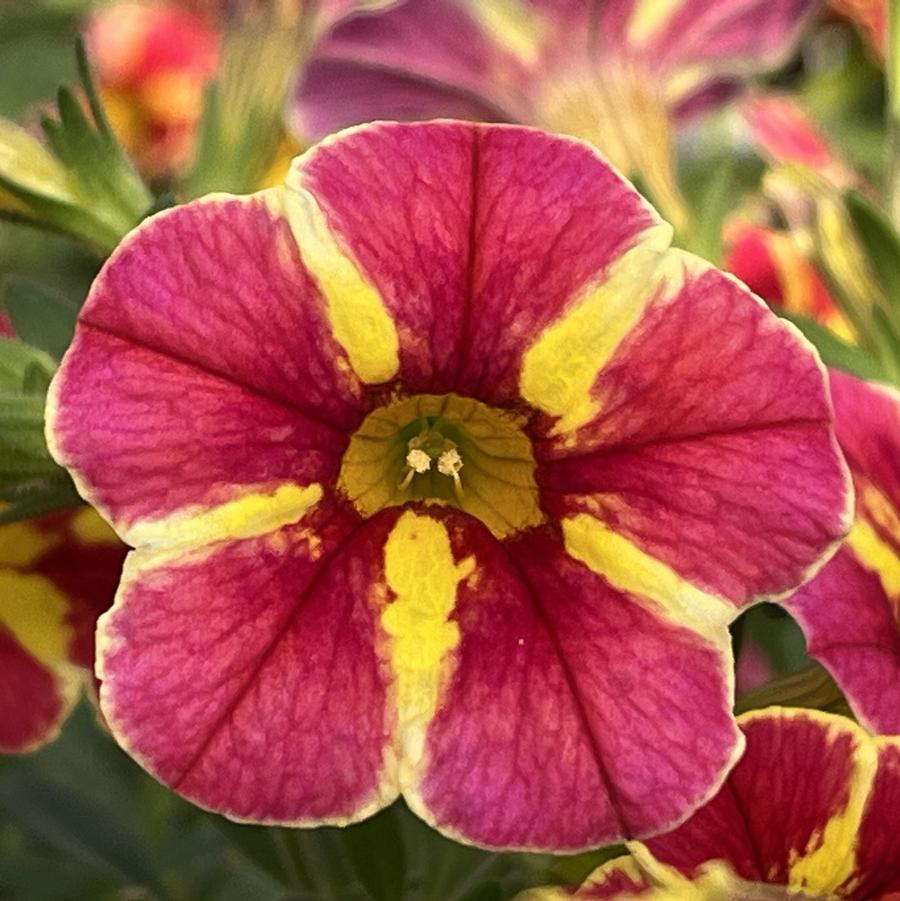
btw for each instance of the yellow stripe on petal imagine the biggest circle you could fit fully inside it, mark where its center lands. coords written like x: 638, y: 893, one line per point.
x: 876, y: 555
x: 560, y: 368
x: 250, y: 516
x: 509, y: 25
x: 626, y: 567
x: 422, y: 573
x: 359, y: 319
x: 830, y: 857
x: 22, y: 544
x: 35, y: 611
x: 648, y: 18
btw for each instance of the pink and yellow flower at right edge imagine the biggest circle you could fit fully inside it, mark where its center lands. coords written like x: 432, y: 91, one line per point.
x: 850, y: 613
x: 619, y: 73
x: 811, y: 811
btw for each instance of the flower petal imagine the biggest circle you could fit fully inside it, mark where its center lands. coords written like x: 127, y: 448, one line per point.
x: 246, y: 675
x: 688, y: 431
x: 34, y: 699
x: 877, y: 872
x: 459, y: 228
x: 723, y: 35
x: 811, y: 809
x: 57, y: 574
x: 793, y: 805
x: 850, y: 613
x: 204, y: 365
x: 544, y: 740
x: 420, y: 59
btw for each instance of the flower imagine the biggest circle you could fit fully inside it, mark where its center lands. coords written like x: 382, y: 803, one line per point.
x: 809, y: 812
x: 850, y: 613
x: 58, y: 573
x: 771, y: 263
x: 784, y: 133
x: 153, y: 61
x: 617, y: 73
x: 804, y: 189
x: 527, y: 614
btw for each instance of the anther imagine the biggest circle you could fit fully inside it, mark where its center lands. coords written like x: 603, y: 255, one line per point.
x: 449, y: 464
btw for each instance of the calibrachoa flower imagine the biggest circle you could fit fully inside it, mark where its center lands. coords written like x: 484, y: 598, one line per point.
x: 811, y: 811
x: 446, y: 476
x: 784, y: 133
x: 771, y: 262
x: 775, y: 261
x: 153, y: 61
x: 57, y: 575
x: 617, y: 72
x: 850, y: 612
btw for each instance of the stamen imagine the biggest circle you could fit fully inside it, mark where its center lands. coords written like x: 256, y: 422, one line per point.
x: 418, y: 461
x: 449, y: 464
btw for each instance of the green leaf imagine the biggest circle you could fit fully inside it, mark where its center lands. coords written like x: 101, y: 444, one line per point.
x: 879, y: 240
x: 41, y: 317
x: 811, y: 687
x: 77, y: 828
x: 53, y: 492
x: 835, y: 351
x: 15, y: 359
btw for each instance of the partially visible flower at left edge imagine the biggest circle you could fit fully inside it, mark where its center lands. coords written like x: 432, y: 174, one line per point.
x: 446, y: 476
x: 58, y: 573
x: 619, y: 73
x: 812, y: 810
x: 850, y: 613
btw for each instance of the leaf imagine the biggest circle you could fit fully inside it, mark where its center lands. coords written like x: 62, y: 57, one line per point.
x: 811, y: 687
x: 55, y: 491
x: 16, y: 357
x: 879, y: 240
x: 76, y: 827
x: 41, y: 317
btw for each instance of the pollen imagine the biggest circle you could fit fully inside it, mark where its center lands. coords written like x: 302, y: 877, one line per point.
x: 418, y: 461
x: 450, y: 463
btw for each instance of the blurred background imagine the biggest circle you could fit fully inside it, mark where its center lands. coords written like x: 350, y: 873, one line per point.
x: 78, y: 818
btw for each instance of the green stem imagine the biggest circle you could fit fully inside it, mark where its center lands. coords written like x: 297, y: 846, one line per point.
x: 892, y: 117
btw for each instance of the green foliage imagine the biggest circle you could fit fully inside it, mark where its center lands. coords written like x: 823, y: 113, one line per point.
x: 85, y: 184
x: 83, y: 801
x: 31, y: 483
x: 41, y: 317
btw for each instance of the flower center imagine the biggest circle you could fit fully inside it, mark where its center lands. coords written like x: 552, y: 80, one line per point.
x: 444, y: 449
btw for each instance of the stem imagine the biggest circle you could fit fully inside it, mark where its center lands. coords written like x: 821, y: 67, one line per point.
x: 892, y: 114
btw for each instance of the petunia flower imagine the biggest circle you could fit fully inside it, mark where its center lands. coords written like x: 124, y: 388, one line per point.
x: 153, y: 61
x: 785, y: 134
x: 58, y: 573
x: 617, y: 73
x: 804, y: 186
x: 809, y: 812
x: 771, y: 262
x: 446, y: 476
x: 850, y: 613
